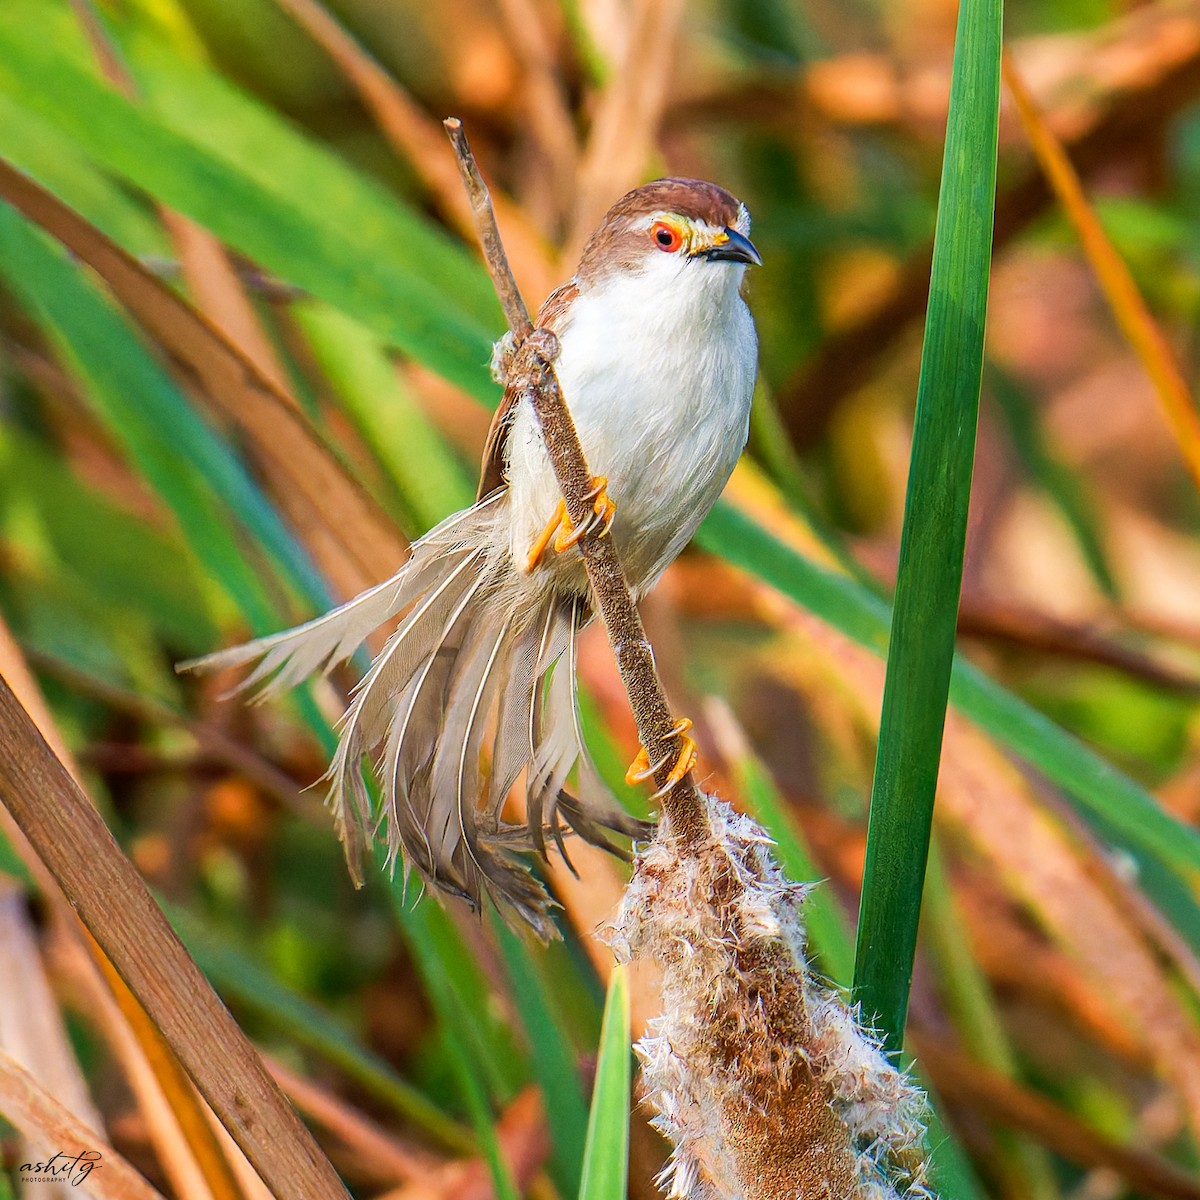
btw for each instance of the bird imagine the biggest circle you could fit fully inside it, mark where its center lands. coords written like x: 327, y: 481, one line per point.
x: 476, y: 684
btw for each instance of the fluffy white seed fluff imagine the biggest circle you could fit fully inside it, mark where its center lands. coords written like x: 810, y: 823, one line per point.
x: 759, y: 1073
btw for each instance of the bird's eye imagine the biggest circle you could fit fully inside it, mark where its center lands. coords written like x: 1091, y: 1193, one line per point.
x: 666, y: 237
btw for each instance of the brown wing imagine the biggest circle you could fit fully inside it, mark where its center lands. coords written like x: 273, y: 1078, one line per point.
x: 551, y: 316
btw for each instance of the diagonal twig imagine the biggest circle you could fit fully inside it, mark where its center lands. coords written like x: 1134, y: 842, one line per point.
x: 533, y: 367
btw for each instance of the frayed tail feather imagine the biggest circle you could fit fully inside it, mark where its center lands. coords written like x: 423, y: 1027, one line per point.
x: 483, y: 659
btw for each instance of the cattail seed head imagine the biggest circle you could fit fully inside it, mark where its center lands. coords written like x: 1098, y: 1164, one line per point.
x: 759, y: 1073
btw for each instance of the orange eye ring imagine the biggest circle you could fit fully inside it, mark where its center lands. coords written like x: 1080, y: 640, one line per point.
x: 666, y: 237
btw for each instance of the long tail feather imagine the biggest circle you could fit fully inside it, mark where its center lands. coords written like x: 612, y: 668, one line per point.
x: 479, y: 647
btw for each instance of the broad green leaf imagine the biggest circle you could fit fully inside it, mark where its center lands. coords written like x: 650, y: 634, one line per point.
x: 36, y: 146
x: 551, y: 1056
x: 117, y: 561
x: 138, y: 402
x: 932, y: 542
x: 284, y: 203
x: 606, y: 1159
x: 1092, y: 784
x: 183, y: 459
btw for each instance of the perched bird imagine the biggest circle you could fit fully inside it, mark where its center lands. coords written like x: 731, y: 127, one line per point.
x: 657, y: 366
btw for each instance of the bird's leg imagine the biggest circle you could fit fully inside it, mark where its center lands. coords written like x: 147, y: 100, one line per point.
x: 563, y: 533
x: 642, y: 769
x: 543, y: 539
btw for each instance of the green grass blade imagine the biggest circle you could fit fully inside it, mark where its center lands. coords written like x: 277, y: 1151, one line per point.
x: 953, y: 1175
x: 120, y: 565
x: 459, y: 990
x: 1059, y: 483
x: 337, y: 235
x: 135, y: 398
x: 606, y: 1159
x: 481, y: 1062
x: 929, y: 577
x: 431, y: 482
x: 551, y: 1055
x: 969, y: 1002
x: 240, y: 978
x: 43, y: 152
x: 1094, y: 785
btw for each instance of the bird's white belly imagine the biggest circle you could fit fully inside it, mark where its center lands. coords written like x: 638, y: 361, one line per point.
x: 663, y: 412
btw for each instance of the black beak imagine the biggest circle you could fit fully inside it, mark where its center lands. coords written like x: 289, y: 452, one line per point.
x: 735, y: 248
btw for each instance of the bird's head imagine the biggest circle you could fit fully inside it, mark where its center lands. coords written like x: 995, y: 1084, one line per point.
x: 682, y: 234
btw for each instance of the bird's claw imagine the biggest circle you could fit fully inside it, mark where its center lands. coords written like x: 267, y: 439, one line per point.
x: 560, y: 531
x: 641, y: 769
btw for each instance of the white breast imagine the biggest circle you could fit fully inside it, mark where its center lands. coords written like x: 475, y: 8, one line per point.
x: 658, y: 371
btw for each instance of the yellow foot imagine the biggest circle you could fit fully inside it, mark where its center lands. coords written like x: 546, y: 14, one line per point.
x: 563, y: 534
x: 641, y: 769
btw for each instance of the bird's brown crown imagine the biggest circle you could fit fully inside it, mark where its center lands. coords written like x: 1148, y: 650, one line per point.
x: 614, y: 240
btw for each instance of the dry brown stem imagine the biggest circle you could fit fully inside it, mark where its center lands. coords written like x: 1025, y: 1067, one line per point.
x: 76, y: 846
x: 43, y: 1118
x: 533, y: 370
x: 628, y: 113
x: 961, y: 1080
x: 515, y: 311
x: 414, y: 135
x: 186, y: 1144
x: 328, y: 507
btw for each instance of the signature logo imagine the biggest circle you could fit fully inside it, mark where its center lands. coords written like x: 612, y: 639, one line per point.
x: 62, y: 1168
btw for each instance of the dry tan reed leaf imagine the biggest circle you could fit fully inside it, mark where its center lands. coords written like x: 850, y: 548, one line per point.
x: 32, y: 1032
x: 1019, y: 961
x: 992, y: 808
x: 524, y: 1145
x: 248, y: 1180
x: 172, y: 1147
x: 189, y: 1112
x: 113, y: 902
x: 376, y: 1152
x: 959, y: 1080
x: 335, y: 509
x: 627, y: 116
x: 217, y: 291
x: 177, y: 1123
x: 80, y: 1157
x: 990, y: 803
x: 419, y: 139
